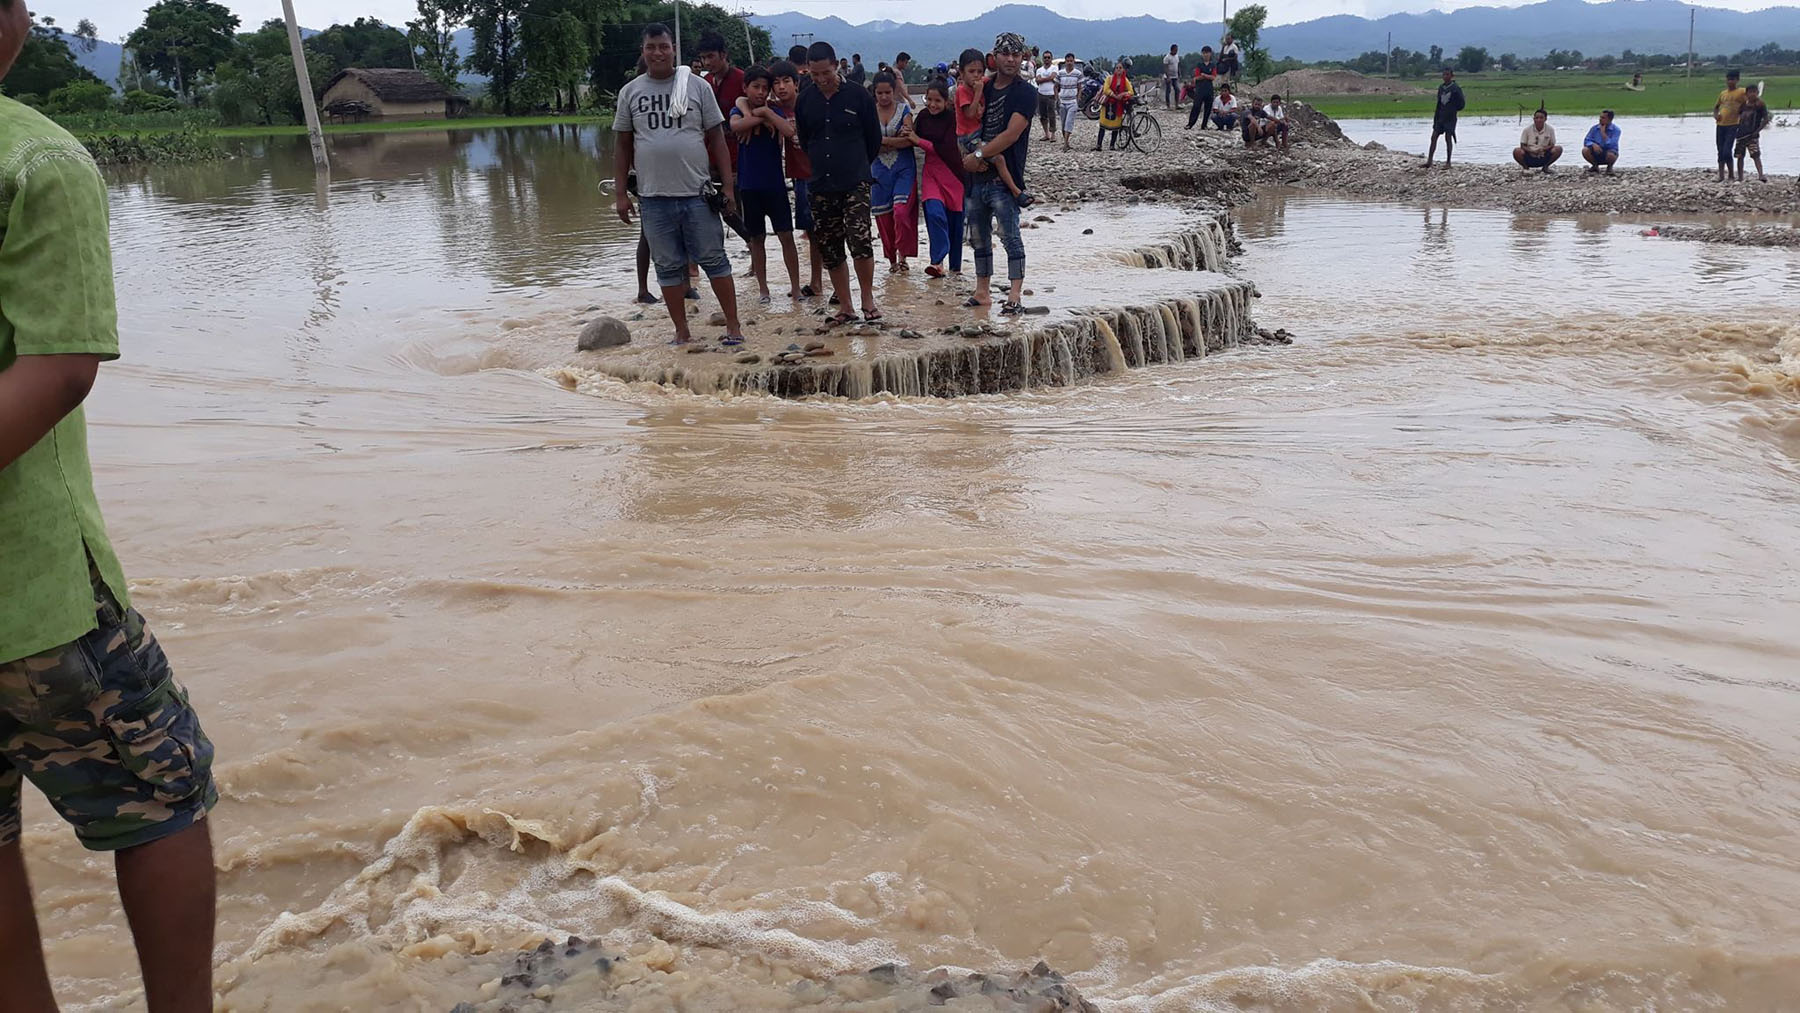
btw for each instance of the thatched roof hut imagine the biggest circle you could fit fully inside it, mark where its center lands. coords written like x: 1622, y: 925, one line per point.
x: 388, y: 93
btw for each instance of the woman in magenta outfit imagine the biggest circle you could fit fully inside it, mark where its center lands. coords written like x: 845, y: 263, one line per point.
x: 943, y: 181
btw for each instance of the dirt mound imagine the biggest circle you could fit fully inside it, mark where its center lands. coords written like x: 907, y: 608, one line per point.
x: 1312, y: 83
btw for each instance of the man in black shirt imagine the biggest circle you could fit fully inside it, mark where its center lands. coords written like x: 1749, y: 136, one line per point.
x: 858, y: 75
x: 1204, y: 76
x: 1010, y: 102
x: 841, y: 133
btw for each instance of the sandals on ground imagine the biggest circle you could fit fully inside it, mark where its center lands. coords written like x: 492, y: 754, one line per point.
x: 841, y: 318
x: 732, y: 340
x: 1012, y: 309
x: 872, y: 315
x: 972, y: 302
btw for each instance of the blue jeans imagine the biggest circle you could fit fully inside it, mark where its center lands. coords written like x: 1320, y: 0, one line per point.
x: 988, y: 200
x: 683, y: 231
x: 945, y: 227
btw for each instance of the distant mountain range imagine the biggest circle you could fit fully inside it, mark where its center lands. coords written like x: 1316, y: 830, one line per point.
x: 1646, y: 26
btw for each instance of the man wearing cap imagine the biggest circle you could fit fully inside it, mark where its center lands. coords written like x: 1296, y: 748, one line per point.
x: 1443, y: 120
x: 1725, y: 121
x: 1008, y: 104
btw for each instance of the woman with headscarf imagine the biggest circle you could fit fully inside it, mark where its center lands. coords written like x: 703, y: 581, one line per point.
x: 1115, y: 98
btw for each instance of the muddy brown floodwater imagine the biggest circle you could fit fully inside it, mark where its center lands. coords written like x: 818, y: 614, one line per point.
x: 1443, y: 660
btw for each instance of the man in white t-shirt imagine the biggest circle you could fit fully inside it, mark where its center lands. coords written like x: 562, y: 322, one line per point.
x: 1045, y: 78
x: 1537, y: 144
x: 1225, y: 110
x: 1172, y: 77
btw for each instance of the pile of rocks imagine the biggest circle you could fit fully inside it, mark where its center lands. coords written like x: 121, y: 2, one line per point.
x: 579, y: 974
x: 1737, y: 235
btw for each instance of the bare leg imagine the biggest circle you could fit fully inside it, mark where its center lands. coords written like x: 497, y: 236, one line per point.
x: 983, y: 292
x: 1431, y: 152
x: 1760, y: 174
x: 643, y: 268
x: 1449, y: 143
x: 167, y: 887
x: 790, y: 256
x: 674, y: 296
x: 759, y: 265
x: 726, y: 290
x: 865, y: 281
x: 1015, y: 292
x: 840, y: 285
x: 817, y: 262
x: 21, y: 951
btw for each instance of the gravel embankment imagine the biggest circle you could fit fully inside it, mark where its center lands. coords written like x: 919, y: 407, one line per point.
x: 1211, y: 167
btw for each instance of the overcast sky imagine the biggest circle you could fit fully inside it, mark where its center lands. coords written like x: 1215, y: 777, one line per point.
x: 116, y: 18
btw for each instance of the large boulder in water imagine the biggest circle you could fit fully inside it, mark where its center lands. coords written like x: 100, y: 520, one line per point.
x: 604, y: 332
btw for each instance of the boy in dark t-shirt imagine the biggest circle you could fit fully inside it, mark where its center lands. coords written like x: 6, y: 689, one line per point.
x: 761, y: 129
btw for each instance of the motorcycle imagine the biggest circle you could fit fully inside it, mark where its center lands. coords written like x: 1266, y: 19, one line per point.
x: 1090, y: 92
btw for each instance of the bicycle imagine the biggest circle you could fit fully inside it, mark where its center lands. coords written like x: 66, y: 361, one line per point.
x: 1141, y: 129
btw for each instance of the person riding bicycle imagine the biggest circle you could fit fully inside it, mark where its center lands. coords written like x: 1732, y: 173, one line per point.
x: 1116, y: 98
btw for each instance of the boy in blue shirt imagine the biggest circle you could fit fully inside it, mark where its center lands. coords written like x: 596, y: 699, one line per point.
x: 761, y: 129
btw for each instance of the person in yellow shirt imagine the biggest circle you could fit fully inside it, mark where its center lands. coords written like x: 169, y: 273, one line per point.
x: 1116, y: 97
x: 1725, y: 120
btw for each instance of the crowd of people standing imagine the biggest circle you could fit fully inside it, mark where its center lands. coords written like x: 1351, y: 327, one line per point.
x: 703, y: 150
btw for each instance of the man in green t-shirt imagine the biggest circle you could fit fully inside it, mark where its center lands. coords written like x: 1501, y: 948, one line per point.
x: 89, y: 711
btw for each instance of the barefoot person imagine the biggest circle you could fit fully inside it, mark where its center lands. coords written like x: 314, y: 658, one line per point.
x: 669, y: 128
x: 895, y: 170
x: 761, y: 129
x: 789, y: 80
x: 1601, y: 146
x: 1725, y: 122
x: 841, y: 133
x: 90, y: 712
x: 1751, y: 121
x: 1443, y: 118
x: 1537, y: 144
x: 1007, y: 105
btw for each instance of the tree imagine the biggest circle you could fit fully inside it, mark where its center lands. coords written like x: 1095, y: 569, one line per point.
x: 433, y: 33
x: 87, y: 37
x: 80, y: 97
x: 45, y: 62
x: 256, y: 85
x: 365, y: 42
x: 556, y: 56
x: 1472, y: 59
x: 496, y: 24
x: 1509, y: 61
x: 1245, y: 27
x: 182, y: 39
x: 1437, y: 57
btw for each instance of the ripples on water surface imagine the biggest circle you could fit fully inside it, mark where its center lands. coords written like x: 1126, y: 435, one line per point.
x: 1442, y: 660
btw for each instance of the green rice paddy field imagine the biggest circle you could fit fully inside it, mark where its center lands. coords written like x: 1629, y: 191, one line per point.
x: 1569, y: 92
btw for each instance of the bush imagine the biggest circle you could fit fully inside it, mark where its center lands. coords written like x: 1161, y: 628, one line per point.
x: 80, y: 97
x: 138, y: 100
x: 184, y: 145
x: 116, y: 121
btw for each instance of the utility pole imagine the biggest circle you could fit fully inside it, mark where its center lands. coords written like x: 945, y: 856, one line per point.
x: 1390, y: 56
x: 1691, y: 12
x: 748, y: 44
x: 678, y: 56
x: 313, y: 133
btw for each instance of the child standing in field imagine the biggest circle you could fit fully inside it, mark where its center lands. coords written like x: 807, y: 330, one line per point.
x: 760, y: 129
x: 1752, y: 118
x: 971, y: 79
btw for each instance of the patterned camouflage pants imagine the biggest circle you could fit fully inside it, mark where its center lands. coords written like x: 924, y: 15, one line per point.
x: 841, y: 219
x: 105, y: 732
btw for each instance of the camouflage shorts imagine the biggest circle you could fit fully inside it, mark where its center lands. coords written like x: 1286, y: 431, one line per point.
x: 105, y: 732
